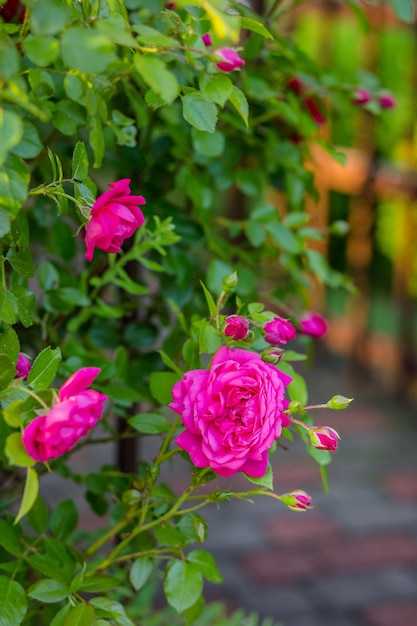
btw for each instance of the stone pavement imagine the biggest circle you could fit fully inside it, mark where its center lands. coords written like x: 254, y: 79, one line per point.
x: 350, y: 561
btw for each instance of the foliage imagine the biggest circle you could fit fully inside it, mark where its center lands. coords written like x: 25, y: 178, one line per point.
x: 91, y: 92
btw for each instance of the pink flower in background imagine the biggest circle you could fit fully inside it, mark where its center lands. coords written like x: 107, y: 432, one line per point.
x: 324, y: 438
x: 314, y: 111
x: 207, y: 39
x: 77, y: 411
x: 386, y: 100
x: 236, y: 327
x: 232, y: 413
x: 279, y: 331
x: 229, y: 60
x: 313, y: 324
x: 115, y: 216
x: 297, y: 500
x: 361, y: 96
x: 23, y: 366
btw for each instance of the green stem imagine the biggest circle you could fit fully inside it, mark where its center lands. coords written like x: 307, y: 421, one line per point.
x: 115, y: 530
x: 31, y: 393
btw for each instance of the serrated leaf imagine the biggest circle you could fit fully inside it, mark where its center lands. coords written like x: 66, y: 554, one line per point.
x: 199, y: 112
x: 182, y: 585
x: 87, y: 50
x: 149, y: 423
x: 80, y: 162
x: 44, y: 368
x: 255, y: 27
x: 80, y: 615
x: 16, y: 453
x: 140, y: 572
x: 48, y: 590
x: 216, y: 88
x: 209, y: 340
x: 267, y: 480
x: 13, y: 603
x: 10, y: 539
x: 239, y: 101
x: 206, y: 564
x: 156, y: 75
x: 30, y: 494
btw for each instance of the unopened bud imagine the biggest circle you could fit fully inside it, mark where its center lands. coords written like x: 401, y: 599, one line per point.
x: 295, y: 406
x: 23, y: 366
x: 236, y: 327
x: 272, y: 355
x: 296, y: 500
x: 324, y: 438
x: 230, y: 282
x: 338, y: 403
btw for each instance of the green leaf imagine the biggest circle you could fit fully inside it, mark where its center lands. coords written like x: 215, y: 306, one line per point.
x: 81, y: 615
x: 209, y: 339
x: 206, y: 564
x: 149, y: 423
x: 160, y: 386
x: 12, y: 414
x: 80, y: 162
x: 44, y: 368
x: 14, y: 182
x: 16, y: 453
x: 30, y: 494
x: 22, y: 261
x: 68, y: 117
x: 404, y: 9
x: 48, y: 590
x: 61, y: 615
x: 113, y: 609
x: 141, y: 571
x: 97, y: 141
x: 10, y: 540
x: 267, y: 480
x: 11, y: 132
x: 216, y: 88
x: 322, y: 457
x: 156, y: 75
x: 13, y: 603
x: 257, y: 27
x: 170, y: 363
x: 210, y: 300
x: 208, y: 144
x: 239, y: 101
x: 297, y: 389
x: 41, y: 50
x: 152, y: 37
x: 64, y: 519
x: 87, y: 50
x: 48, y: 17
x: 38, y: 515
x: 182, y: 585
x: 23, y: 302
x: 284, y: 238
x: 199, y: 112
x: 98, y: 583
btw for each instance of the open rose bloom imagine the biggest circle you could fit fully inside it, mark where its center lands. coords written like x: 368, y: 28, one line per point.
x: 77, y: 411
x: 232, y: 412
x: 115, y: 216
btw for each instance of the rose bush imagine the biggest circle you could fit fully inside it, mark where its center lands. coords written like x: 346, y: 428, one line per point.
x: 233, y: 412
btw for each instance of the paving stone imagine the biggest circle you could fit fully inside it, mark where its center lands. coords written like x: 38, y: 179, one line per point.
x: 391, y: 614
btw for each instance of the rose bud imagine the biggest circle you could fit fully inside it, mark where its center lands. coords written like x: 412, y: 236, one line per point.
x: 312, y: 324
x: 23, y: 366
x: 115, y: 216
x: 361, y: 96
x: 324, y: 438
x: 386, y: 100
x: 272, y: 355
x: 338, y: 403
x: 279, y: 331
x: 296, y: 500
x: 207, y: 39
x: 229, y: 60
x: 236, y: 327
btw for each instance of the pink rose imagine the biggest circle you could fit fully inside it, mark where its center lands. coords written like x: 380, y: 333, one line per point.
x: 232, y: 413
x: 313, y: 324
x: 207, y: 39
x: 324, y: 438
x: 23, y: 366
x: 229, y: 59
x: 115, y: 216
x: 77, y: 411
x: 279, y: 331
x: 236, y: 327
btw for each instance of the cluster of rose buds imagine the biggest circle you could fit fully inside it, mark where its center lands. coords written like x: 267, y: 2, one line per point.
x: 384, y: 98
